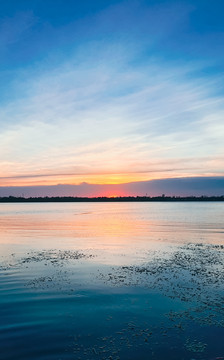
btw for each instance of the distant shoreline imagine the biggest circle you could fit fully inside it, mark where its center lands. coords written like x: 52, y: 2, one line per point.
x: 163, y: 198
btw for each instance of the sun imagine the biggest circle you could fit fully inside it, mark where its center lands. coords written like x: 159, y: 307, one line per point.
x: 113, y: 196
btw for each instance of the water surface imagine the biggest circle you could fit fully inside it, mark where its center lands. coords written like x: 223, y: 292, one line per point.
x: 111, y: 281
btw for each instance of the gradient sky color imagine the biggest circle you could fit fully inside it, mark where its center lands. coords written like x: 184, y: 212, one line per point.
x: 110, y: 92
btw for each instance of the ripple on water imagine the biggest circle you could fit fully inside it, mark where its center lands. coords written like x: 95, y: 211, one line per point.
x: 161, y: 307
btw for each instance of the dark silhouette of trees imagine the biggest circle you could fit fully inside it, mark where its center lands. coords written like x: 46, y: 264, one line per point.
x: 13, y: 199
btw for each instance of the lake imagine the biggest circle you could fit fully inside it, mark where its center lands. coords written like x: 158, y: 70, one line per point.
x: 112, y: 281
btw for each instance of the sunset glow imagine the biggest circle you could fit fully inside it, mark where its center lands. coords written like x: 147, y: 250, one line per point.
x: 95, y: 97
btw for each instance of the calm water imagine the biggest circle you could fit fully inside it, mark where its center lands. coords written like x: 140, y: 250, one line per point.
x: 112, y: 281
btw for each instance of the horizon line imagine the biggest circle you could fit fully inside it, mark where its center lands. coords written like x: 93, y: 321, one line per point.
x: 137, y: 198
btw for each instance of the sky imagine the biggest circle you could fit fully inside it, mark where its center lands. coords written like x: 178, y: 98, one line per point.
x: 107, y: 93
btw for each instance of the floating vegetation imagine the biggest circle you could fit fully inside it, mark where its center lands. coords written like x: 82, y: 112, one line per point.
x: 55, y: 257
x: 110, y: 347
x: 189, y: 271
x: 194, y: 273
x: 195, y: 346
x: 50, y: 266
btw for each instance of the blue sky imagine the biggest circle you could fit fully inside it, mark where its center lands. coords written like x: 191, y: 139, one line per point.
x: 110, y: 92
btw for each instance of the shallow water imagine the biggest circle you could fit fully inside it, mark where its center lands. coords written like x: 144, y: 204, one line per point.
x: 112, y: 281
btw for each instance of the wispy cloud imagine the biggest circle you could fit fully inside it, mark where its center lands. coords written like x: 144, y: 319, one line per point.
x: 114, y: 110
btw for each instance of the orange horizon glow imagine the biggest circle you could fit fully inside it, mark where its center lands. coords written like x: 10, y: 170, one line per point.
x: 102, y: 179
x: 98, y: 179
